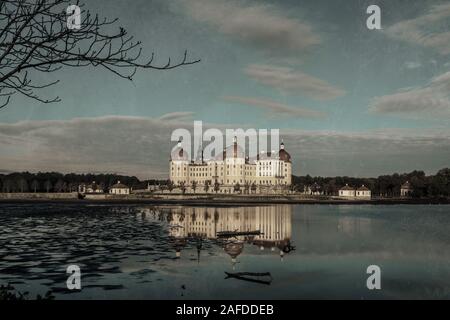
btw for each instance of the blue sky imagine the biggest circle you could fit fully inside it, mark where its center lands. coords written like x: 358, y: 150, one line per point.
x: 310, y: 68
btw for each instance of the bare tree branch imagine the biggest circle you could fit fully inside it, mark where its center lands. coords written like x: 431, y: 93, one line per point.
x: 34, y: 37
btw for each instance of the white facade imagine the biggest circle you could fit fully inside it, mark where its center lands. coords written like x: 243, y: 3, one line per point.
x: 232, y: 172
x: 406, y: 189
x: 347, y: 193
x: 119, y: 189
x: 350, y: 193
x: 363, y: 193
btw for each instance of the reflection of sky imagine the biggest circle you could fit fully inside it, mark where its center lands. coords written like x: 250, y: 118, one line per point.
x: 309, y: 65
x: 129, y: 252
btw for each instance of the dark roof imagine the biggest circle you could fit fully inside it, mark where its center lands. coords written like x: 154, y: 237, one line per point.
x: 346, y: 187
x: 92, y: 185
x: 284, y: 155
x: 363, y: 188
x: 119, y: 186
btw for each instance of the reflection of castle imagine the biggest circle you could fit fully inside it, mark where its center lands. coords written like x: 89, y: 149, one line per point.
x: 204, y: 223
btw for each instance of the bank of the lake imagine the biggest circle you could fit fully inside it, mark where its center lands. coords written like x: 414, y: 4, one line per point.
x: 204, y: 199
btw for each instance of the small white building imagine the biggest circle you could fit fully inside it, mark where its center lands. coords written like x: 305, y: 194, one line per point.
x: 119, y: 188
x: 347, y: 192
x: 90, y: 188
x: 406, y: 189
x: 363, y: 193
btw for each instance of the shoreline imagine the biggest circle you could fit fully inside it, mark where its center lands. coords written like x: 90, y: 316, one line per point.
x: 222, y: 201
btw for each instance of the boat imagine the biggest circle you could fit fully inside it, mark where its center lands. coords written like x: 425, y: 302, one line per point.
x: 229, y: 234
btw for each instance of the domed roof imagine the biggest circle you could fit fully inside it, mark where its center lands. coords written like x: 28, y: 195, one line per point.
x: 234, y: 248
x: 283, y: 154
x: 119, y: 185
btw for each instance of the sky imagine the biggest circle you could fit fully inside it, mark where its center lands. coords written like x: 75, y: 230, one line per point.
x: 347, y: 100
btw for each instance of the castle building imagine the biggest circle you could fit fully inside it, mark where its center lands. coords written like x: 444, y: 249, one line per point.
x: 233, y: 172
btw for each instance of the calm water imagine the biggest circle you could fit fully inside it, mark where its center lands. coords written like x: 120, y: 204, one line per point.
x: 146, y: 252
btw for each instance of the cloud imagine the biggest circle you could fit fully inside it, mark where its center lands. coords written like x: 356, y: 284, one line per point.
x: 287, y: 80
x: 141, y: 147
x: 412, y: 65
x: 369, y: 153
x: 260, y: 25
x: 181, y: 115
x: 419, y: 31
x: 430, y: 101
x: 276, y: 109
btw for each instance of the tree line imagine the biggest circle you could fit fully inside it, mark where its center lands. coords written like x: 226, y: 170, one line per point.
x: 437, y: 185
x: 58, y: 182
x: 423, y: 186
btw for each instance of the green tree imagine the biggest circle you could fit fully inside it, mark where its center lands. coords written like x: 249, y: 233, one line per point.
x: 194, y: 185
x: 216, y: 186
x: 35, y: 185
x: 253, y: 187
x: 170, y: 185
x: 48, y: 186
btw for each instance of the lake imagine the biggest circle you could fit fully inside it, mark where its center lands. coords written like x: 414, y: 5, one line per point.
x: 173, y: 252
